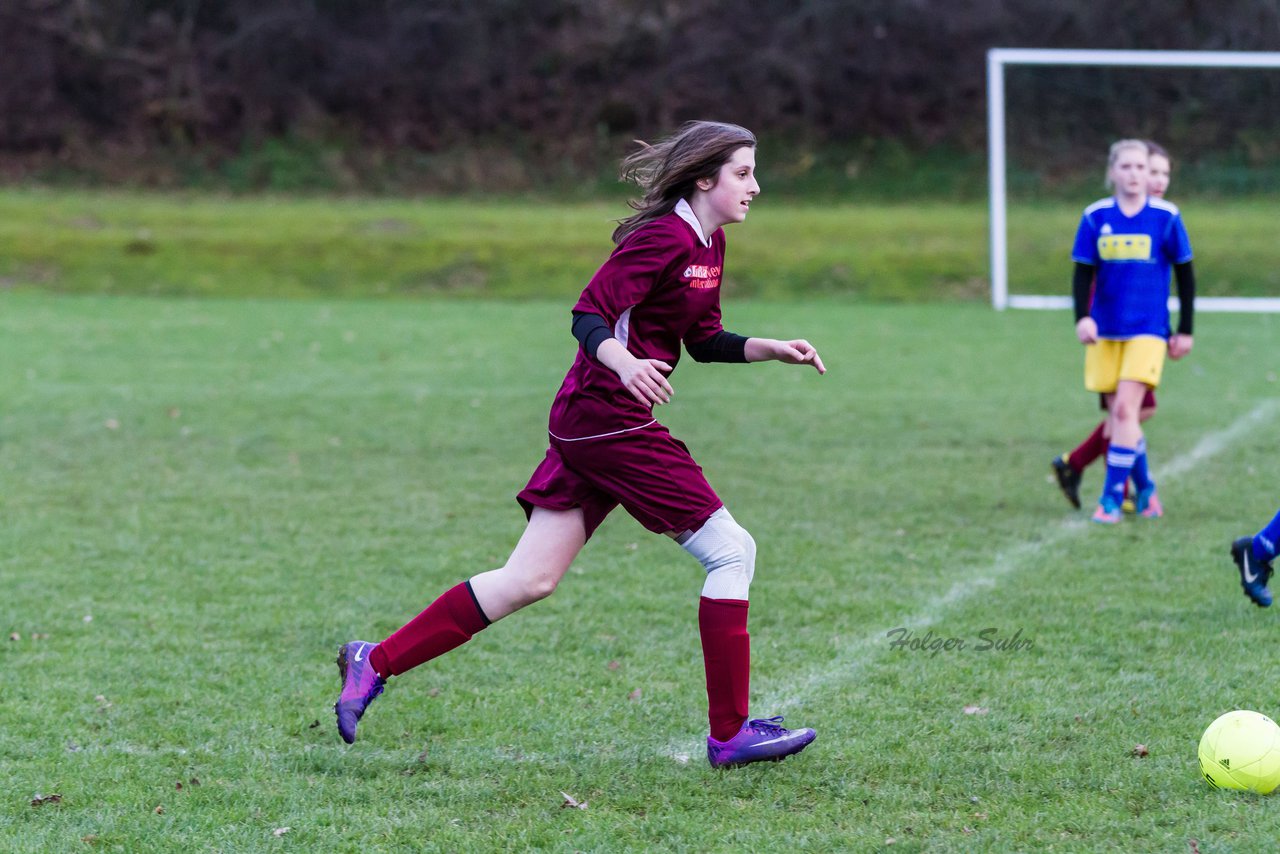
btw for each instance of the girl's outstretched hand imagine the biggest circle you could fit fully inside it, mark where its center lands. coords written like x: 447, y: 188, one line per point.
x: 801, y: 352
x: 795, y: 352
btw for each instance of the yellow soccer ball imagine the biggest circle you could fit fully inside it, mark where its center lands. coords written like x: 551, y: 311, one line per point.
x: 1241, y: 750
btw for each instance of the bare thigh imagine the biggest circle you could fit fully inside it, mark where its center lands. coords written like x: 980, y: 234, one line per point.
x: 546, y: 549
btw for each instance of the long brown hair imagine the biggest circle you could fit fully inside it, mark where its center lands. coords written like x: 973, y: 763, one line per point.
x: 669, y: 170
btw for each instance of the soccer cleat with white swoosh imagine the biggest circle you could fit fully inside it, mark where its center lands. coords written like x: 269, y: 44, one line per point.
x: 1254, y: 573
x: 759, y: 740
x: 360, y: 684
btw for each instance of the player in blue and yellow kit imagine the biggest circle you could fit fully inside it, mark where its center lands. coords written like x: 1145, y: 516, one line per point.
x: 1128, y: 243
x: 1068, y: 469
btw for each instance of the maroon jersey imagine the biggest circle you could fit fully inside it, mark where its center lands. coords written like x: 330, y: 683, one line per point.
x: 660, y: 286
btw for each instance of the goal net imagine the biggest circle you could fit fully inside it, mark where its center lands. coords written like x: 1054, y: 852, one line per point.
x: 1051, y: 116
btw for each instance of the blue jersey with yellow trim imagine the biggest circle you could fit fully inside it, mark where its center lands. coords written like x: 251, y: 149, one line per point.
x: 1134, y: 256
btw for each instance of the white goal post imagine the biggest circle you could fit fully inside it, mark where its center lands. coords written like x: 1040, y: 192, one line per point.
x: 997, y: 59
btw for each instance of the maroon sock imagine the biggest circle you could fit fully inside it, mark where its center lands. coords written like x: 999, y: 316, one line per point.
x: 1090, y: 449
x: 726, y: 652
x: 448, y: 622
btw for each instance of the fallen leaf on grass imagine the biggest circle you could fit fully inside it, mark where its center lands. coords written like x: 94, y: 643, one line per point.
x: 280, y: 831
x: 1140, y: 750
x: 159, y: 810
x: 14, y: 636
x: 634, y: 695
x: 571, y: 802
x: 40, y: 800
x: 975, y: 710
x: 178, y: 786
x: 613, y: 665
x: 1194, y: 845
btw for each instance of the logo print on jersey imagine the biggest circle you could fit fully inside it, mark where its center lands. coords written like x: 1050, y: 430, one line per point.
x: 1125, y: 247
x: 702, y: 277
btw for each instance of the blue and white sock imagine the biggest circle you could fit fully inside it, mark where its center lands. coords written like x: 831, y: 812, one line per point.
x: 1141, y: 474
x: 1119, y: 466
x: 1264, y: 544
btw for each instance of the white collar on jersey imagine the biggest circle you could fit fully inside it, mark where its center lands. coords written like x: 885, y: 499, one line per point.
x: 685, y: 212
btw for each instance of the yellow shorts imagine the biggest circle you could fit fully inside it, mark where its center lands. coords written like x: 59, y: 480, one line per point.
x: 1140, y: 359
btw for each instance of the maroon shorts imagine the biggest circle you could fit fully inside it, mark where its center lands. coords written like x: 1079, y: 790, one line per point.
x: 648, y: 471
x: 1148, y: 400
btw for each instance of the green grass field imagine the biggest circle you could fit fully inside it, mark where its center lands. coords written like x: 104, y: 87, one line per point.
x: 102, y: 243
x: 202, y: 498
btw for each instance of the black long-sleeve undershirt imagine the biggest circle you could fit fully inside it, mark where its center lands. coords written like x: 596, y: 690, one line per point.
x: 591, y: 331
x: 1186, y: 279
x: 724, y: 346
x: 1184, y: 274
x: 1082, y: 289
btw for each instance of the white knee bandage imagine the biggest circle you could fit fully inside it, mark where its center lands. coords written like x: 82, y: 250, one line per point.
x: 727, y: 552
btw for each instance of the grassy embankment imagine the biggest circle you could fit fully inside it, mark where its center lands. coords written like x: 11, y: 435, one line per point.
x: 75, y: 242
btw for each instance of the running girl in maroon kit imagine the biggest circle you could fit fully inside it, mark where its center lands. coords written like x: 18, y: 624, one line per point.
x: 660, y: 287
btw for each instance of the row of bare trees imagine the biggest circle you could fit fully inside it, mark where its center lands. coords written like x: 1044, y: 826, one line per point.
x: 437, y: 74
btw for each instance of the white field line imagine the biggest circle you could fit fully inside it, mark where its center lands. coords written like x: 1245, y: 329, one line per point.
x: 858, y: 652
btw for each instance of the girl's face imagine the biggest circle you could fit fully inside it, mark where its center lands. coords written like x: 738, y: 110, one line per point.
x: 1129, y: 172
x: 1157, y: 175
x: 729, y: 195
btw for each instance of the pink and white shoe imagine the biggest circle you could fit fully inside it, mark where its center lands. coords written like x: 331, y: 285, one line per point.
x: 1149, y: 504
x: 1108, y: 512
x: 759, y: 740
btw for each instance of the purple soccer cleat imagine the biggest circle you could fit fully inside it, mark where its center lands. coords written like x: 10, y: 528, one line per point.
x: 360, y: 684
x: 759, y: 740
